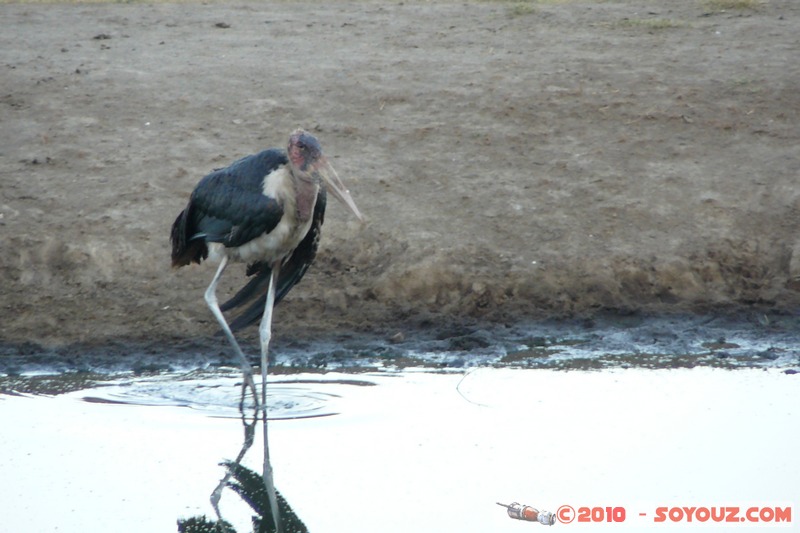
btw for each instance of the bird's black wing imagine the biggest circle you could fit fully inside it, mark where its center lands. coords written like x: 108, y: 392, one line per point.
x: 292, y: 271
x: 228, y: 206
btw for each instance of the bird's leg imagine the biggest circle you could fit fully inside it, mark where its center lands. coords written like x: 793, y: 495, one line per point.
x: 265, y: 331
x: 265, y: 334
x: 211, y: 300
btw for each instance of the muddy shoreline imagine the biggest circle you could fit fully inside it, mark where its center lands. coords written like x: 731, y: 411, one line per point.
x: 564, y: 162
x: 602, y: 342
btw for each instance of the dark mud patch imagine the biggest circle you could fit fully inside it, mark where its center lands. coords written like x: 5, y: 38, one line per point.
x: 745, y: 341
x: 51, y: 384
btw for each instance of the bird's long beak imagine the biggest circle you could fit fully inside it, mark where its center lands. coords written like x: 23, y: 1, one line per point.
x: 323, y: 170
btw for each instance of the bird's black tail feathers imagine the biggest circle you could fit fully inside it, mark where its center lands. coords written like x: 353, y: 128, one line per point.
x: 256, y: 289
x: 186, y: 249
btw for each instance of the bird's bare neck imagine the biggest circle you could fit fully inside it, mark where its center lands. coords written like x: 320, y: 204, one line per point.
x: 305, y: 197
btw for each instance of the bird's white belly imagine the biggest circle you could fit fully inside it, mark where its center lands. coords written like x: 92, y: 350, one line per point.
x: 269, y: 247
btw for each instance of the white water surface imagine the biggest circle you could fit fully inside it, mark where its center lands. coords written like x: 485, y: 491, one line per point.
x: 419, y: 451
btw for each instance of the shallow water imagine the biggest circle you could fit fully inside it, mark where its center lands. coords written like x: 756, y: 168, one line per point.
x: 406, y: 451
x: 613, y: 417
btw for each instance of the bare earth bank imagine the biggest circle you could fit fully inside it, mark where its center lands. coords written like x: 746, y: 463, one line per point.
x: 577, y: 159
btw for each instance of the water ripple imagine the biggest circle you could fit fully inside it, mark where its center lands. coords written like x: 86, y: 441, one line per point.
x: 219, y: 396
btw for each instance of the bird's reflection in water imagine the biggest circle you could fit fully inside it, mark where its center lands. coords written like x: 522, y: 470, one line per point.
x: 272, y: 513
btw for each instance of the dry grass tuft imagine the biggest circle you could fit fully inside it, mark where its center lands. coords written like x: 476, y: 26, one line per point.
x: 725, y: 5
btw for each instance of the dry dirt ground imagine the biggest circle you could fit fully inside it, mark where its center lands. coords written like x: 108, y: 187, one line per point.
x: 515, y: 161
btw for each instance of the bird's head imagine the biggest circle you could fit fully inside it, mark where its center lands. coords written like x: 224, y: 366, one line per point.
x: 308, y: 162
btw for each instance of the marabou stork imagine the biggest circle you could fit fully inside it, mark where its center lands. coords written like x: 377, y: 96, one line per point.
x: 265, y: 210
